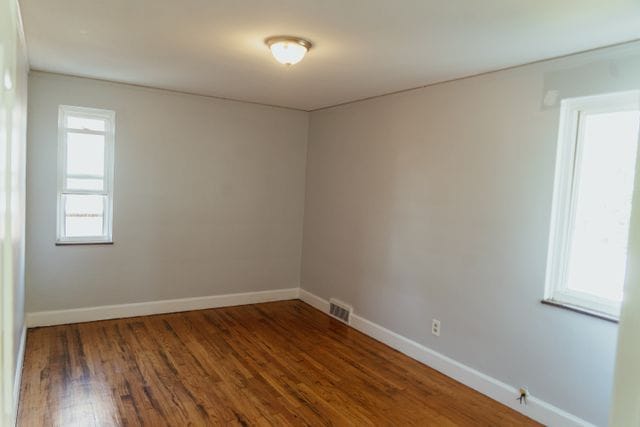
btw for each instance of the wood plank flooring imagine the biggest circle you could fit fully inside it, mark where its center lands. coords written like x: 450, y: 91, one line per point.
x: 281, y: 363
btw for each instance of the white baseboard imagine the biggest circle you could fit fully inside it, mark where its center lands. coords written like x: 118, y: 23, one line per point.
x: 104, y: 312
x: 17, y: 381
x: 506, y: 394
x: 314, y: 300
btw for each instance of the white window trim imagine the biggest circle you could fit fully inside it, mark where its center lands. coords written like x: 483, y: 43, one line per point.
x: 564, y: 200
x: 110, y: 123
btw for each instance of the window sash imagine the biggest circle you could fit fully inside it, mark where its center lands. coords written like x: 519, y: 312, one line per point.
x: 567, y: 176
x: 84, y: 131
x: 108, y: 162
x: 107, y: 179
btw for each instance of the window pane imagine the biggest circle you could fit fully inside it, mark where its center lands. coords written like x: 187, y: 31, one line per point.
x: 85, y: 154
x: 76, y: 122
x: 83, y: 215
x: 85, y: 184
x: 598, y: 250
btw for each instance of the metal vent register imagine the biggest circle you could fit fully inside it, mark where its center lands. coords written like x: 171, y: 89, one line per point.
x: 340, y: 311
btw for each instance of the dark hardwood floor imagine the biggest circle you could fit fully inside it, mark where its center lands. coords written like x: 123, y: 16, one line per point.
x: 281, y: 363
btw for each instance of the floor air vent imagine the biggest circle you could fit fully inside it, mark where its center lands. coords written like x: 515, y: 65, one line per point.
x: 340, y: 311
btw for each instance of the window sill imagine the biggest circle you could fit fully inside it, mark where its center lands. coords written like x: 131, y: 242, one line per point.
x: 82, y: 243
x: 583, y: 310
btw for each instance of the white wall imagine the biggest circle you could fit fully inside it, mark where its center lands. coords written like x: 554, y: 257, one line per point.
x: 13, y: 112
x: 435, y: 203
x: 18, y: 190
x: 208, y: 198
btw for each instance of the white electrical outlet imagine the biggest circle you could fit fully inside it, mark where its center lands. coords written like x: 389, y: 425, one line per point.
x: 435, y: 327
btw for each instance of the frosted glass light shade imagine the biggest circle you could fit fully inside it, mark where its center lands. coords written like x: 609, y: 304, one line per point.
x: 288, y: 50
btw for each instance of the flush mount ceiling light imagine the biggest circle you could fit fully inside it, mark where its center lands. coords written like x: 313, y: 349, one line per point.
x: 288, y: 50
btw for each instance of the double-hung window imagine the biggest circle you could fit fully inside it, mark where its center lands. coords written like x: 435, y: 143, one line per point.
x: 595, y: 169
x: 86, y: 139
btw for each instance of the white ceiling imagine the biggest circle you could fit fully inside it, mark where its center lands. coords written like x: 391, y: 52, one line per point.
x: 362, y: 48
